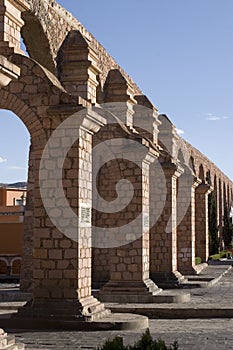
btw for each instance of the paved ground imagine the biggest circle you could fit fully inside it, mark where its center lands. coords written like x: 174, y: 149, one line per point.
x: 213, y: 334
x: 191, y: 334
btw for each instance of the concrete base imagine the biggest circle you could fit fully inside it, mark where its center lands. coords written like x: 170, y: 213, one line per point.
x: 175, y: 312
x: 168, y: 280
x: 115, y: 321
x: 159, y: 298
x: 87, y: 310
x: 193, y: 270
x: 129, y: 292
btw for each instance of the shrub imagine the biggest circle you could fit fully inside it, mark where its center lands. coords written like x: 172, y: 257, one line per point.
x: 223, y: 254
x: 214, y: 257
x: 145, y: 343
x: 197, y: 260
x: 115, y: 344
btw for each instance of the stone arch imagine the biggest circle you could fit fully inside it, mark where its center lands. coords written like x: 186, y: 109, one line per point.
x: 25, y: 103
x: 201, y: 174
x: 182, y: 152
x: 209, y: 177
x: 16, y: 105
x: 181, y: 156
x: 39, y: 50
x: 31, y: 121
x: 228, y: 196
x: 225, y: 196
x: 215, y: 184
x: 191, y: 164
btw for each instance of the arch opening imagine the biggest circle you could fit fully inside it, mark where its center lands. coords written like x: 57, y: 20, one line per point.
x: 14, y: 154
x: 40, y: 50
x: 201, y: 173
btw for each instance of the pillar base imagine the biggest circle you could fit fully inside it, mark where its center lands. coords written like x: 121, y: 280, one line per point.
x: 168, y: 280
x: 189, y: 270
x: 129, y: 292
x: 87, y: 309
x: 8, y: 342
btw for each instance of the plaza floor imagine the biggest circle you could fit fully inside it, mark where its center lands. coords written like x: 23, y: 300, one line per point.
x: 205, y: 333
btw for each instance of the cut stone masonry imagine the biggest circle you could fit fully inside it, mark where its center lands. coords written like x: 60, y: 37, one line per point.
x: 68, y: 248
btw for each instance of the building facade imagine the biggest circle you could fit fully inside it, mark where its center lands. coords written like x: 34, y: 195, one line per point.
x: 12, y: 201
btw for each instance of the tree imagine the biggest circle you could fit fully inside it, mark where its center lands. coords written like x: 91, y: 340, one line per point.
x: 213, y: 225
x: 227, y: 233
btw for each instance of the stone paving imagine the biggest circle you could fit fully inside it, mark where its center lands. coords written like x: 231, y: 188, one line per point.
x: 195, y: 334
x: 191, y: 334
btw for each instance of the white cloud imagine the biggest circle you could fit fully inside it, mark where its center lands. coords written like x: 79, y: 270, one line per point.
x: 213, y: 117
x: 180, y: 131
x: 3, y: 160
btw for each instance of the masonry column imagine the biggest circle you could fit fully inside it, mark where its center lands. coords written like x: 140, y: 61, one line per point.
x: 201, y: 221
x: 145, y: 118
x: 163, y: 235
x: 130, y: 264
x: 78, y: 66
x: 186, y: 227
x: 62, y: 243
x: 11, y: 24
x: 118, y: 108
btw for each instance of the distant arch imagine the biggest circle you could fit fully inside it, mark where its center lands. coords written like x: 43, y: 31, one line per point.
x: 191, y: 164
x: 208, y: 177
x: 201, y: 174
x: 39, y: 50
x: 215, y: 187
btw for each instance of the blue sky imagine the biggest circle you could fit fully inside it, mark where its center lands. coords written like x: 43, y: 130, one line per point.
x: 179, y: 52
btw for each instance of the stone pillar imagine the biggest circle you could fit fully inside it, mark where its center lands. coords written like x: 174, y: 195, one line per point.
x: 78, y: 66
x: 186, y: 228
x: 62, y: 242
x: 130, y: 264
x: 201, y: 221
x: 118, y: 97
x: 26, y: 265
x: 145, y: 118
x: 118, y: 109
x: 11, y: 24
x: 168, y: 136
x: 163, y: 235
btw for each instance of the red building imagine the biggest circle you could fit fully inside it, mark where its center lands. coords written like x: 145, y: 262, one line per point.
x: 12, y: 201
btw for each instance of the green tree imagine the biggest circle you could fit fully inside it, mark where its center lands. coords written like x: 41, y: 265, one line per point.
x: 227, y: 233
x: 213, y: 225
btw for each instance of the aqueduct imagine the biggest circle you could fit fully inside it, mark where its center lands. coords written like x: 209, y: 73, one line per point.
x: 69, y: 90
